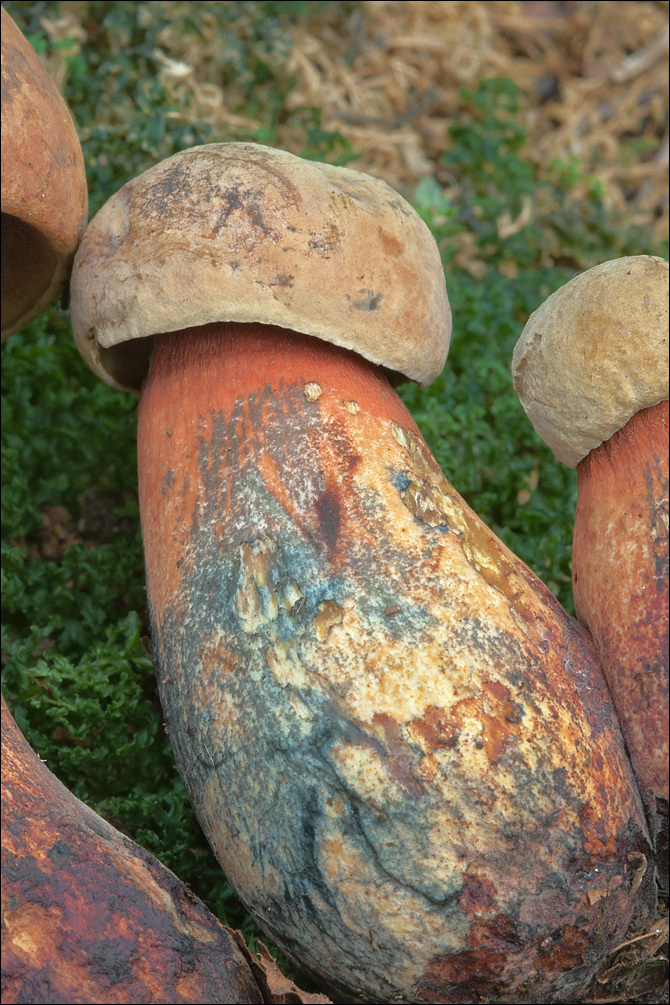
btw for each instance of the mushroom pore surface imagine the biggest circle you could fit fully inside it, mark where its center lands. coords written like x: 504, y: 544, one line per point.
x: 44, y: 195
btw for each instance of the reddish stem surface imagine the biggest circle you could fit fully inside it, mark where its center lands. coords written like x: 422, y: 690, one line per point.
x: 620, y: 582
x: 204, y: 373
x: 89, y: 916
x: 219, y: 363
x: 384, y: 721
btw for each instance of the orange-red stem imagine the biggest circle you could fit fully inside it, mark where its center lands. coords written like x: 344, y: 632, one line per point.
x: 384, y: 721
x: 204, y: 374
x: 620, y: 581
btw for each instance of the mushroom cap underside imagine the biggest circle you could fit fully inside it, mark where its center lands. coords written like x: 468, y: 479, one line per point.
x: 44, y: 195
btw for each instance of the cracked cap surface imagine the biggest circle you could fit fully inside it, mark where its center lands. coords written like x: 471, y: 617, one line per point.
x: 594, y: 354
x: 245, y: 233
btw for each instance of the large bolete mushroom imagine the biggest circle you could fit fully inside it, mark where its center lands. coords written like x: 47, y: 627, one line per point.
x: 89, y: 916
x: 400, y: 747
x: 591, y: 369
x: 44, y: 196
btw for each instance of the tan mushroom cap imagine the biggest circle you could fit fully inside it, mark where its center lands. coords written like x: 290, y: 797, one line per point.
x: 594, y: 354
x: 245, y: 233
x: 44, y: 197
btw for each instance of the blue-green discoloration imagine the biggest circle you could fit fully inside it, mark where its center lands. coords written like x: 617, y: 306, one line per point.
x: 306, y: 623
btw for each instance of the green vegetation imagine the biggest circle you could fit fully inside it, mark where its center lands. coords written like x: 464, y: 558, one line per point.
x: 75, y: 670
x: 471, y: 416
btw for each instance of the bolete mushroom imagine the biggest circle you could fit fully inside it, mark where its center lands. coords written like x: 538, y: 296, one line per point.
x: 591, y: 369
x: 89, y: 916
x: 44, y: 196
x: 399, y: 745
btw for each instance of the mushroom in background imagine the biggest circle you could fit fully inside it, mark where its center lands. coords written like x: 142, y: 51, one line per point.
x: 591, y: 370
x: 44, y: 196
x: 399, y: 745
x: 89, y: 916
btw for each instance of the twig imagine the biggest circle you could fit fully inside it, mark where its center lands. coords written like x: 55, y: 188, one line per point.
x: 638, y: 938
x: 642, y: 59
x: 414, y: 110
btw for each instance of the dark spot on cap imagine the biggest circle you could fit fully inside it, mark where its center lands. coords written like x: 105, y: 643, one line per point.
x: 391, y: 245
x: 370, y: 301
x: 326, y: 242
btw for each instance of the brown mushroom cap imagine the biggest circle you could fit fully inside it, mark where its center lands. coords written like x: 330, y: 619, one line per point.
x: 594, y: 354
x: 44, y: 196
x: 245, y: 233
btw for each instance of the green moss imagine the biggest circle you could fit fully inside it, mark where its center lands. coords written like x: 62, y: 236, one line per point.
x: 471, y: 416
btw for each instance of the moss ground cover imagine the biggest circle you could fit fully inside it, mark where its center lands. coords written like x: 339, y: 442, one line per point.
x: 75, y: 652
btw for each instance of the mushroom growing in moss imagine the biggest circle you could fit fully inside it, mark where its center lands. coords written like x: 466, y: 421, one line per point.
x: 44, y: 196
x: 591, y: 369
x: 399, y: 745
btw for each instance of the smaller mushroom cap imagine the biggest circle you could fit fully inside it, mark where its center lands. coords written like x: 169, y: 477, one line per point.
x: 246, y: 233
x: 44, y: 196
x: 594, y: 354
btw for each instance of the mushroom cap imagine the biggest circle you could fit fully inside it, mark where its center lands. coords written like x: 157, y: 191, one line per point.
x: 44, y: 196
x: 246, y: 233
x: 594, y: 354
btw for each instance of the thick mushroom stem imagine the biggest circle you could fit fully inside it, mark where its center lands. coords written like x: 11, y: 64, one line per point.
x: 591, y: 369
x: 261, y: 382
x: 89, y: 916
x: 400, y: 747
x: 620, y: 584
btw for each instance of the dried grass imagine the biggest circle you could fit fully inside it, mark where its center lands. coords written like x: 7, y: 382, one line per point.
x: 594, y: 80
x: 388, y: 73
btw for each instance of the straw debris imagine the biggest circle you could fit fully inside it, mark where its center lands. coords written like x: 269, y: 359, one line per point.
x: 387, y: 75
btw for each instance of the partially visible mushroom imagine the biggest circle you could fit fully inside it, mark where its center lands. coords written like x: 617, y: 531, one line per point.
x: 400, y: 747
x: 44, y: 196
x: 591, y: 369
x: 89, y: 916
